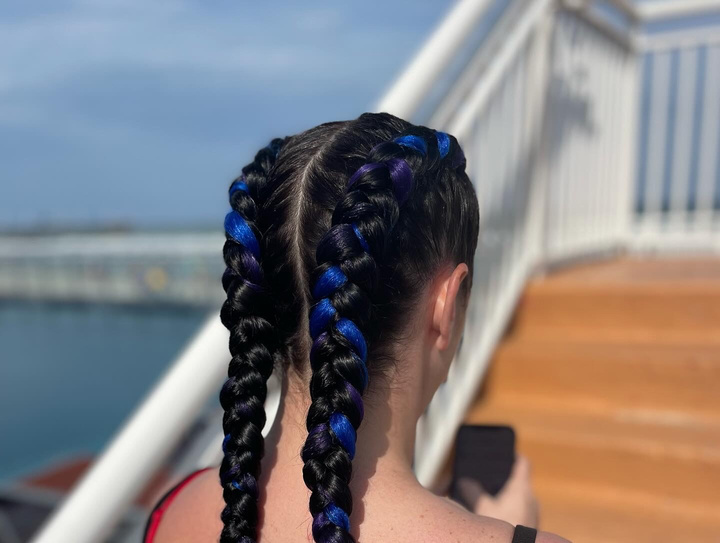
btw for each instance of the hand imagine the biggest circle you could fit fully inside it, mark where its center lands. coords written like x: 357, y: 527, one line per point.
x: 515, y: 503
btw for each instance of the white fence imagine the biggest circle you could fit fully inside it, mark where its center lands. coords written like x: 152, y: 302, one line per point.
x: 551, y: 131
x: 589, y: 135
x: 498, y: 121
x: 547, y: 110
x: 678, y: 184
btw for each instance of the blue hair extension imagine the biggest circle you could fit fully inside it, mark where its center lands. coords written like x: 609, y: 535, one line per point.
x: 362, y: 170
x: 239, y: 185
x: 414, y: 142
x: 247, y: 483
x: 227, y: 477
x: 361, y: 238
x: 344, y: 432
x: 348, y: 275
x: 402, y: 178
x: 237, y: 227
x: 321, y: 439
x: 317, y: 344
x: 337, y: 516
x: 320, y: 316
x: 458, y: 159
x: 249, y: 313
x: 355, y: 395
x: 353, y: 334
x: 443, y: 141
x: 331, y: 280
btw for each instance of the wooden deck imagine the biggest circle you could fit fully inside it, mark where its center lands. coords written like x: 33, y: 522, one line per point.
x: 610, y: 374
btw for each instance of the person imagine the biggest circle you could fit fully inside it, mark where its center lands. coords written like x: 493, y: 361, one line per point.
x: 349, y: 252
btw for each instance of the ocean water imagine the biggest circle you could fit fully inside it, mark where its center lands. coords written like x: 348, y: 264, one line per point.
x: 71, y: 374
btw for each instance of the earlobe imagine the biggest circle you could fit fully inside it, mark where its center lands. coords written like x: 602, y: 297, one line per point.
x: 446, y: 306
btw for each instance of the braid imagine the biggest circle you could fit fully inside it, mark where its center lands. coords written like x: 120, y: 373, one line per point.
x: 248, y: 312
x: 349, y: 234
x: 346, y: 281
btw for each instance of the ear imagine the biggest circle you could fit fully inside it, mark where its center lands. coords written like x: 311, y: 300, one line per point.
x: 446, y: 304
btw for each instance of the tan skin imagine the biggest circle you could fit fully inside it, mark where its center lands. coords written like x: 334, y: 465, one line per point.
x: 389, y: 503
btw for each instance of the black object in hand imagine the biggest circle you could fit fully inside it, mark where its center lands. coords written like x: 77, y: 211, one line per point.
x: 485, y: 454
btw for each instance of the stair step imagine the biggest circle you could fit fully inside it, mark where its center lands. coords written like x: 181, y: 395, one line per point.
x: 637, y: 300
x: 669, y: 457
x: 660, y: 377
x: 669, y: 431
x: 601, y: 514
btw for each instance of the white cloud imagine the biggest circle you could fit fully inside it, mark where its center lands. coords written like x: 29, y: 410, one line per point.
x: 80, y: 44
x: 128, y: 89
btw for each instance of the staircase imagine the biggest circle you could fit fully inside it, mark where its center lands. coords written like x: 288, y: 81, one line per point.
x: 610, y: 374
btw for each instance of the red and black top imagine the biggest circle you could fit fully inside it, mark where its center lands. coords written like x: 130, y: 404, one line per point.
x: 163, y: 505
x: 521, y: 535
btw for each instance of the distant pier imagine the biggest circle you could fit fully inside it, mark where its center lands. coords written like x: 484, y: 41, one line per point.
x: 134, y: 268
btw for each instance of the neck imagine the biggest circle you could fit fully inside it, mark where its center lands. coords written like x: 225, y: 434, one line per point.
x: 385, y: 439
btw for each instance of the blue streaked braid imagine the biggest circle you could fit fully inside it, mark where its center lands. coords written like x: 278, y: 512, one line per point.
x: 249, y: 314
x: 349, y: 258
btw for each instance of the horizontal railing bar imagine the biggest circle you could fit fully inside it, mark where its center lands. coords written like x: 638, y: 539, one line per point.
x: 668, y: 9
x: 507, y: 54
x: 407, y: 92
x: 476, y: 67
x: 654, y: 10
x: 680, y: 39
x: 627, y: 8
x: 625, y: 39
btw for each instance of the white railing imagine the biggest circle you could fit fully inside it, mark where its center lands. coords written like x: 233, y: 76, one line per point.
x: 548, y: 133
x: 412, y: 87
x: 589, y: 136
x: 677, y: 201
x: 498, y: 122
x: 668, y: 9
x: 566, y: 189
x: 547, y: 112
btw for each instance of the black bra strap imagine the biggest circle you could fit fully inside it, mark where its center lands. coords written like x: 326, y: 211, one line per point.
x: 524, y: 535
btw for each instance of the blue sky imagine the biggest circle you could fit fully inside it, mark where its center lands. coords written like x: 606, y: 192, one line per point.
x: 142, y: 111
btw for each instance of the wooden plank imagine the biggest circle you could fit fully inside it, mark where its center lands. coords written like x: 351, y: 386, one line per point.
x: 599, y: 450
x: 602, y: 514
x: 680, y: 377
x: 645, y: 300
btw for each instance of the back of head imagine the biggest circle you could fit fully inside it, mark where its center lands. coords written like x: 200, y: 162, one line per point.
x: 333, y: 236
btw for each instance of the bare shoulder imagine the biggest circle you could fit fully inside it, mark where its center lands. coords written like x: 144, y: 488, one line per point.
x: 194, y: 515
x: 546, y: 537
x: 432, y: 518
x: 440, y: 519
